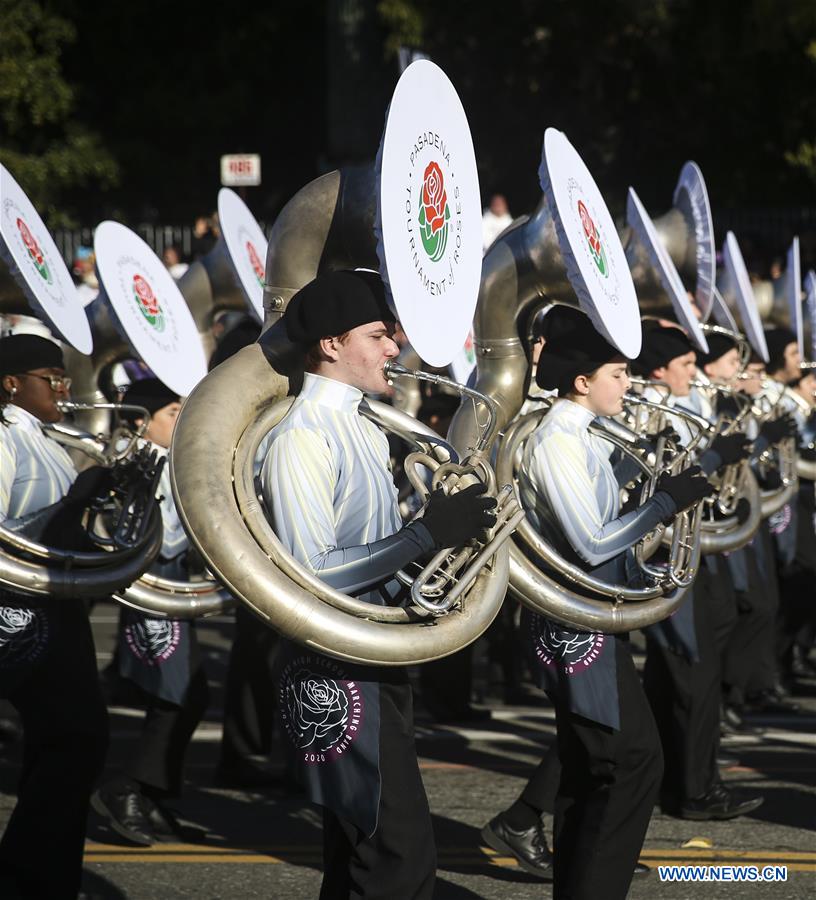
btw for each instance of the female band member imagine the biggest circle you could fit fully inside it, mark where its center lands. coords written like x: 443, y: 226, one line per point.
x: 327, y: 481
x: 607, y: 741
x: 47, y: 657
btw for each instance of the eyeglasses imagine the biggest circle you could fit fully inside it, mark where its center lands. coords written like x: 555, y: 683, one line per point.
x: 57, y: 382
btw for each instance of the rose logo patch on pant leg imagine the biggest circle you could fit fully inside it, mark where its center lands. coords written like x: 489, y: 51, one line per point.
x: 153, y: 640
x: 322, y: 714
x: 572, y: 651
x: 23, y: 635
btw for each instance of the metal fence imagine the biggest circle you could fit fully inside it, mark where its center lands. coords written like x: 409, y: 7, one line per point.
x: 159, y: 237
x: 762, y: 232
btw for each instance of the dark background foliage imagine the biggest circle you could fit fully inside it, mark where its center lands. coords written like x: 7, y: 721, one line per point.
x: 110, y: 109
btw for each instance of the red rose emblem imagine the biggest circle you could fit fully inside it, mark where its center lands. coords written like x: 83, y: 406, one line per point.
x: 145, y: 294
x: 30, y: 241
x: 255, y: 261
x: 434, y: 197
x: 590, y: 230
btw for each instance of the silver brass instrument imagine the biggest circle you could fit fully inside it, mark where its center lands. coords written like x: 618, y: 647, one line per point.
x: 447, y: 576
x: 721, y: 529
x: 686, y: 231
x: 328, y: 224
x: 578, y: 599
x: 132, y: 541
x: 522, y: 271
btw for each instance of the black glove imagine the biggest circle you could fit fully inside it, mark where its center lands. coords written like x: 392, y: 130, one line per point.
x: 633, y: 500
x: 731, y: 447
x: 779, y: 429
x: 808, y: 454
x: 687, y: 488
x: 91, y: 483
x: 669, y: 434
x: 771, y: 481
x: 456, y: 518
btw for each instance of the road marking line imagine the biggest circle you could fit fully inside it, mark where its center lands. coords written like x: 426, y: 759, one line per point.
x: 714, y: 853
x: 197, y: 853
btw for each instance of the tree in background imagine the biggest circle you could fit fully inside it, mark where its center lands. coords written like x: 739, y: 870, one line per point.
x: 42, y: 143
x: 638, y: 87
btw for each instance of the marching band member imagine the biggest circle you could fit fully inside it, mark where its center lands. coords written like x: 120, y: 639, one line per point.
x: 160, y: 657
x: 682, y: 676
x: 608, y: 745
x: 748, y: 660
x: 249, y: 716
x: 795, y: 543
x: 327, y: 481
x: 47, y: 656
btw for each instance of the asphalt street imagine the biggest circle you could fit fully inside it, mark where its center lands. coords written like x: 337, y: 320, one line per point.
x: 241, y: 844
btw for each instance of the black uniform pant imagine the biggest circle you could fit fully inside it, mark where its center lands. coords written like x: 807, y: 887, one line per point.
x: 749, y: 650
x: 65, y: 727
x: 158, y: 760
x: 609, y: 782
x: 249, y: 710
x: 763, y: 673
x: 685, y: 699
x: 447, y: 683
x: 721, y: 600
x: 399, y: 859
x: 797, y: 613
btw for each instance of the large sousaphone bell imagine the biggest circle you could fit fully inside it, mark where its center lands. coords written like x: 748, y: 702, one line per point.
x: 687, y: 233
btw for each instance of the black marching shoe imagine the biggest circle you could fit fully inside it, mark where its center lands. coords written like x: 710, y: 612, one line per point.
x: 718, y: 803
x: 121, y: 808
x: 768, y: 702
x: 641, y: 869
x: 166, y: 826
x: 731, y: 722
x: 529, y: 847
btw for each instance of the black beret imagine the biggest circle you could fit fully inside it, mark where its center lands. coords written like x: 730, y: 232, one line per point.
x: 150, y: 393
x: 661, y: 344
x: 334, y: 303
x: 23, y: 352
x: 573, y: 347
x: 718, y: 345
x: 777, y: 339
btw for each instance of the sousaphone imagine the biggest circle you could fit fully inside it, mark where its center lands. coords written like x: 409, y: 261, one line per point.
x: 567, y: 251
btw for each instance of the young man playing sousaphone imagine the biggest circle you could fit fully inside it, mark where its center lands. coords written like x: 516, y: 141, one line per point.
x: 683, y: 671
x: 327, y: 482
x: 607, y: 741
